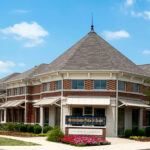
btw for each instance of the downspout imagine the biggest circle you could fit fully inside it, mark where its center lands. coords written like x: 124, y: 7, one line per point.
x: 116, y: 105
x: 25, y: 120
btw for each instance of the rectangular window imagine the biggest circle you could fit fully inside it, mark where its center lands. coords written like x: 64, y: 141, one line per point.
x: 135, y: 87
x: 22, y: 90
x: 88, y: 111
x: 10, y: 92
x: 2, y: 115
x: 46, y: 86
x: 99, y: 112
x: 58, y: 85
x: 15, y: 115
x: 77, y: 84
x: 9, y: 115
x: 121, y: 85
x: 16, y: 91
x: 37, y: 115
x: 77, y: 112
x: 100, y: 84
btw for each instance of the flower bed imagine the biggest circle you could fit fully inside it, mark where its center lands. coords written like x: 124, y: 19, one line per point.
x: 140, y: 138
x: 83, y: 141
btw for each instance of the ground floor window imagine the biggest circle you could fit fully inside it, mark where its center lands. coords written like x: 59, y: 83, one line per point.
x: 2, y: 115
x: 15, y: 115
x: 37, y: 115
x: 22, y: 116
x: 77, y: 112
x: 148, y: 118
x: 46, y: 115
x: 9, y: 115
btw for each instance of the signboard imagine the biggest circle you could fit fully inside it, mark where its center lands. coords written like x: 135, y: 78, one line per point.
x: 97, y: 121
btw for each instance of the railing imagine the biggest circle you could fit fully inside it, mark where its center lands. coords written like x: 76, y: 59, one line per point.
x: 84, y: 120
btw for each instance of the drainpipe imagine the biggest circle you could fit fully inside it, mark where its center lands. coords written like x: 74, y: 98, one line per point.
x: 25, y: 120
x: 116, y: 105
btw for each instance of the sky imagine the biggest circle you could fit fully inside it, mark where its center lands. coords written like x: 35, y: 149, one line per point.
x: 38, y: 31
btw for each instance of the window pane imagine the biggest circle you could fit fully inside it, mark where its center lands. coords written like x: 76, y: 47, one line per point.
x: 3, y: 113
x: 88, y: 111
x: 135, y: 87
x: 121, y: 85
x: 100, y: 84
x: 58, y: 85
x: 77, y: 112
x: 37, y: 115
x: 74, y: 84
x: 77, y: 84
x: 99, y: 112
x: 23, y: 90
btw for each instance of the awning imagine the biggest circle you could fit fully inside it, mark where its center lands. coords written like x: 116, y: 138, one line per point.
x: 133, y: 103
x: 47, y: 101
x: 13, y: 103
x: 88, y: 101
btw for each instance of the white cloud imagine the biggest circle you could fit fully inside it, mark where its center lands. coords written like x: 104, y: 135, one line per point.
x: 20, y: 11
x: 145, y: 14
x: 33, y: 32
x: 146, y: 52
x: 115, y: 35
x: 129, y: 2
x: 5, y: 67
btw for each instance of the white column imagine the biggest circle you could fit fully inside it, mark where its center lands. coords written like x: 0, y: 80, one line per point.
x: 52, y: 116
x: 128, y: 118
x: 141, y: 118
x: 41, y: 117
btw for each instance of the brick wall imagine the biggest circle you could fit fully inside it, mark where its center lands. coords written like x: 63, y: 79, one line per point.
x: 52, y: 85
x: 16, y: 98
x: 30, y: 113
x: 111, y: 85
x: 129, y: 87
x: 89, y: 84
x: 67, y: 84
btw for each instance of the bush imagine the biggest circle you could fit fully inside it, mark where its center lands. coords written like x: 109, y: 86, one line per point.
x: 37, y: 129
x: 16, y: 127
x: 135, y: 131
x: 141, y: 132
x: 55, y: 135
x: 147, y: 131
x: 23, y: 128
x: 128, y: 133
x: 47, y: 128
x: 9, y: 126
x: 30, y: 128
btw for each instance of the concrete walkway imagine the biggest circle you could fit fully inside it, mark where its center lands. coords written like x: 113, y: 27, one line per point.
x: 117, y: 144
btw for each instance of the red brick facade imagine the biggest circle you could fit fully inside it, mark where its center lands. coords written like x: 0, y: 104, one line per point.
x: 30, y: 113
x: 67, y: 84
x: 89, y: 84
x: 111, y: 85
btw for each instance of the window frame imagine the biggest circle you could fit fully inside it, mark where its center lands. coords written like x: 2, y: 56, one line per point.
x: 100, y: 85
x: 133, y: 89
x: 10, y: 93
x: 16, y: 91
x: 57, y: 85
x: 77, y: 85
x: 3, y: 112
x: 124, y: 85
x: 46, y: 86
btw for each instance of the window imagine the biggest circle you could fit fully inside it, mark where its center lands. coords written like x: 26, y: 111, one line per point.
x: 16, y: 91
x: 22, y: 90
x: 147, y: 118
x: 99, y: 112
x: 9, y: 115
x: 77, y: 112
x: 135, y: 87
x: 37, y: 115
x: 2, y: 115
x: 10, y: 92
x: 77, y: 84
x: 121, y: 85
x: 100, y: 84
x: 15, y: 115
x: 88, y: 111
x: 46, y: 86
x: 58, y: 85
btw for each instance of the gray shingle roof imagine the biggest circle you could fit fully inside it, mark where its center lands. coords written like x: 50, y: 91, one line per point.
x: 145, y: 67
x: 93, y: 53
x: 6, y: 79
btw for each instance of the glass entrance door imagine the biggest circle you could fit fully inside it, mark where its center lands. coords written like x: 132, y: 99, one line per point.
x: 121, y: 121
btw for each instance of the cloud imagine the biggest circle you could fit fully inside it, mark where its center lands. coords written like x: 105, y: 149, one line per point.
x: 115, y: 35
x: 21, y: 65
x: 129, y: 2
x: 146, y: 52
x: 5, y: 67
x: 33, y: 33
x: 20, y: 11
x: 145, y: 14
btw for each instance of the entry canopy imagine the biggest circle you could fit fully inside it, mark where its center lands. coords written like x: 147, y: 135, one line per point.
x: 13, y: 103
x: 88, y: 101
x: 133, y: 103
x: 47, y: 101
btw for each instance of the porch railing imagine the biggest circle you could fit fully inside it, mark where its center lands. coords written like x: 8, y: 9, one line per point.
x: 86, y: 120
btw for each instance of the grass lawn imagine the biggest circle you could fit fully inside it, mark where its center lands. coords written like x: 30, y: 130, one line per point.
x: 12, y: 142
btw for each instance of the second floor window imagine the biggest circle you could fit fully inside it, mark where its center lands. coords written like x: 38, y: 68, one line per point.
x: 58, y: 85
x: 121, y: 85
x: 22, y: 90
x: 16, y: 91
x: 10, y: 92
x: 135, y: 87
x: 46, y: 86
x: 100, y: 84
x: 77, y: 84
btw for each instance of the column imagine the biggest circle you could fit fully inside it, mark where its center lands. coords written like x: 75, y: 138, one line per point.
x: 41, y: 117
x: 141, y: 118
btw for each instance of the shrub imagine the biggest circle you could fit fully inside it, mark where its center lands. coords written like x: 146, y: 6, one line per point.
x: 30, y: 128
x: 16, y: 127
x: 9, y: 126
x: 141, y: 132
x: 37, y: 129
x: 23, y: 128
x: 147, y: 131
x: 2, y: 126
x: 47, y: 128
x: 135, y: 131
x: 128, y: 133
x: 55, y: 135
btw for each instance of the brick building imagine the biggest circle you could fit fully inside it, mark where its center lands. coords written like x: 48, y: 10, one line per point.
x: 91, y: 89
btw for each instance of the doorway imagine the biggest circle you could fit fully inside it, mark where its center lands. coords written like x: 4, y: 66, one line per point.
x: 121, y: 121
x: 135, y: 118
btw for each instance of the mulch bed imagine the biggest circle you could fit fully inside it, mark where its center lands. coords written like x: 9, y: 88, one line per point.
x: 11, y: 133
x: 147, y: 139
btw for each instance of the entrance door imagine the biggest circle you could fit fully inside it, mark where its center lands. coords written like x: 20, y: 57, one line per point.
x: 46, y: 116
x: 121, y: 121
x: 57, y: 117
x: 135, y: 118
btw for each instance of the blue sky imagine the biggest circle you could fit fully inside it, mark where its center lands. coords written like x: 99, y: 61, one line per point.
x: 37, y: 31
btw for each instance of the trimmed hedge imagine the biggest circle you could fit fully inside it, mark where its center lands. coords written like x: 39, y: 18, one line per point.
x: 37, y: 129
x: 141, y: 132
x: 47, y: 128
x: 128, y: 133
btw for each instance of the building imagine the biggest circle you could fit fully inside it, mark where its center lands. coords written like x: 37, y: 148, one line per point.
x: 91, y: 89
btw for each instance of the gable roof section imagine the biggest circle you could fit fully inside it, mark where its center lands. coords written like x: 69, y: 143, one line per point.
x: 93, y: 53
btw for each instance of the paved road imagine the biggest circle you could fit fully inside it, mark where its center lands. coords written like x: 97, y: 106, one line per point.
x: 117, y: 144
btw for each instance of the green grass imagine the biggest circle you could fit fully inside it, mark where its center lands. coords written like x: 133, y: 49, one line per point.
x: 12, y: 142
